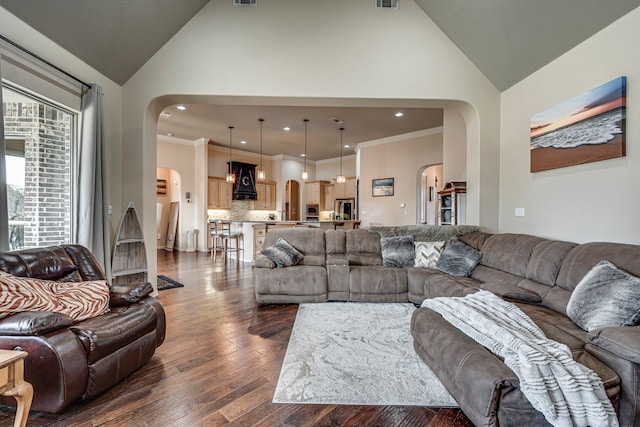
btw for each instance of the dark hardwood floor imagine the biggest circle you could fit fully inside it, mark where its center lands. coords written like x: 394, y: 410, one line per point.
x: 220, y: 364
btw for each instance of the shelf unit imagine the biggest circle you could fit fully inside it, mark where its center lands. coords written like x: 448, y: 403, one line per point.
x: 452, y: 204
x: 129, y: 255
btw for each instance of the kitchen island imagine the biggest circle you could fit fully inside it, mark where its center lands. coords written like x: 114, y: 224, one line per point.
x: 255, y: 231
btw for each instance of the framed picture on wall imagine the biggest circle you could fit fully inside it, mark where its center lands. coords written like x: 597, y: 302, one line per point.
x: 382, y: 187
x: 161, y: 187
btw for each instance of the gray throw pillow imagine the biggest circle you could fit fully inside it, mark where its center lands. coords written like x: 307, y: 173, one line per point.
x: 397, y: 251
x: 606, y: 296
x: 458, y: 259
x: 283, y: 254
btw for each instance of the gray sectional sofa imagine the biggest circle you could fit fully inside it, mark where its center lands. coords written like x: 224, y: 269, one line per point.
x: 538, y: 275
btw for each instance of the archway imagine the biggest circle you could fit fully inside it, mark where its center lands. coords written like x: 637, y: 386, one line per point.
x: 168, y: 191
x: 430, y: 181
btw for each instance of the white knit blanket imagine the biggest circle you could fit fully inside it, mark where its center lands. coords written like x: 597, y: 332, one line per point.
x: 566, y: 392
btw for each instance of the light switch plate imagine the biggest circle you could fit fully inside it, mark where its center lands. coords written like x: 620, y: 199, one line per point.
x: 519, y: 212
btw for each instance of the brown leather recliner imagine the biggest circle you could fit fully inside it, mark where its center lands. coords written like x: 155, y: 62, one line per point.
x: 79, y: 360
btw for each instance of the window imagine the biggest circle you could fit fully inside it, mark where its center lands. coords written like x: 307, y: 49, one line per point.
x: 38, y: 150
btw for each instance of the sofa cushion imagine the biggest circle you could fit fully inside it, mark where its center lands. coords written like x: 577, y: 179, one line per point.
x: 546, y: 260
x: 509, y: 252
x: 458, y: 259
x: 606, y: 296
x: 583, y: 257
x: 428, y: 253
x: 363, y: 247
x: 444, y: 285
x: 79, y: 300
x: 308, y: 241
x: 397, y: 251
x: 283, y: 254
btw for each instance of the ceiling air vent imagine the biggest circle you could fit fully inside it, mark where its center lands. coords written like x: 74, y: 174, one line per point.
x: 245, y: 2
x: 387, y: 4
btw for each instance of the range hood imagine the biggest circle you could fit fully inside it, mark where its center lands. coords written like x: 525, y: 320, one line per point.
x: 245, y: 185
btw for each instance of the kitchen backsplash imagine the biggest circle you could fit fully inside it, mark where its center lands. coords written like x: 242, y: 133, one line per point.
x: 241, y: 211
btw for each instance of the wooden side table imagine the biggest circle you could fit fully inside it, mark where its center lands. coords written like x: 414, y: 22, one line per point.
x: 12, y: 383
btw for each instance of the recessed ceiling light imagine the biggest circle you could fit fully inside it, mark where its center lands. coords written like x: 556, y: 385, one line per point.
x: 286, y: 128
x: 165, y: 114
x: 399, y: 114
x: 181, y: 107
x: 346, y: 146
x: 243, y: 142
x: 169, y: 134
x: 334, y: 120
x: 303, y: 155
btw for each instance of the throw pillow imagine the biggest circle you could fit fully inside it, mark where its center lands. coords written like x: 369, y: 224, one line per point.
x: 397, y: 251
x: 606, y: 296
x: 79, y: 300
x: 428, y: 253
x: 283, y: 254
x: 458, y: 259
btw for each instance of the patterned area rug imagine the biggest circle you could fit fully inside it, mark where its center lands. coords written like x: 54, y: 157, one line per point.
x: 165, y: 282
x: 356, y: 354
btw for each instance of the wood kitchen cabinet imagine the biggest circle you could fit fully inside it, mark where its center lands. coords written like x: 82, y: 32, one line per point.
x: 329, y: 197
x: 219, y: 193
x: 345, y: 190
x: 266, y: 196
x: 315, y: 193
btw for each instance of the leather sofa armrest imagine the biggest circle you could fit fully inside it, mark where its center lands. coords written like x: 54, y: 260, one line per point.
x: 262, y: 261
x: 623, y: 341
x: 29, y: 323
x: 128, y: 293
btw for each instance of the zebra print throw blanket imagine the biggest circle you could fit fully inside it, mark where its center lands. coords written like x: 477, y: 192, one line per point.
x: 566, y: 392
x: 78, y: 300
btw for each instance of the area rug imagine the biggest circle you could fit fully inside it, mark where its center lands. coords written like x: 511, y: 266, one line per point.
x: 356, y: 354
x: 165, y: 282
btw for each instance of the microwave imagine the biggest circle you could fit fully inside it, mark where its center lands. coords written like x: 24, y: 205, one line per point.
x: 312, y: 210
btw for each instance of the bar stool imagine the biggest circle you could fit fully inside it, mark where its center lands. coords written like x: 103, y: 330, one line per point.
x: 229, y: 232
x: 216, y: 231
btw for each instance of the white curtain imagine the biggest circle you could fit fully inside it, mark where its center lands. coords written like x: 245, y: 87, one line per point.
x: 4, y: 210
x: 91, y: 204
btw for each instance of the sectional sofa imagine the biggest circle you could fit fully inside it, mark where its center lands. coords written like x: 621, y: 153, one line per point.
x: 538, y: 275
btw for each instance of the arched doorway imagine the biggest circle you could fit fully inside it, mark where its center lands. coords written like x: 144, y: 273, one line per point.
x: 292, y: 201
x: 168, y: 191
x: 429, y: 183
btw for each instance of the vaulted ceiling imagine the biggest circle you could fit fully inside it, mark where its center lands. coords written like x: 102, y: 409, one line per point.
x: 506, y: 39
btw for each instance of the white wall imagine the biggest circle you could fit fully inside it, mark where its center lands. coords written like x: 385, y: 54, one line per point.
x: 388, y: 158
x: 25, y: 36
x: 239, y: 55
x: 592, y: 202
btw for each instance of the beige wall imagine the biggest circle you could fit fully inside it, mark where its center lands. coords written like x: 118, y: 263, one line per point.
x: 401, y: 159
x: 591, y: 202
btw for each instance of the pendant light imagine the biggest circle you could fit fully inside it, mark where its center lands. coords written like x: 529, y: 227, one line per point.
x: 261, y: 175
x: 305, y: 172
x: 231, y: 177
x: 341, y: 179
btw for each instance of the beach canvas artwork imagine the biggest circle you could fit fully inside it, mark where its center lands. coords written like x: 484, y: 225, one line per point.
x: 587, y: 128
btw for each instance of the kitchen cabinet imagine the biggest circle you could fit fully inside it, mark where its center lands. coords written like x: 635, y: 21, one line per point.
x: 219, y: 193
x: 345, y: 190
x: 329, y: 197
x: 315, y: 193
x: 266, y: 192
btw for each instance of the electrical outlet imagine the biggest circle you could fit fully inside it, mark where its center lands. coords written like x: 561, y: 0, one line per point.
x: 110, y: 210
